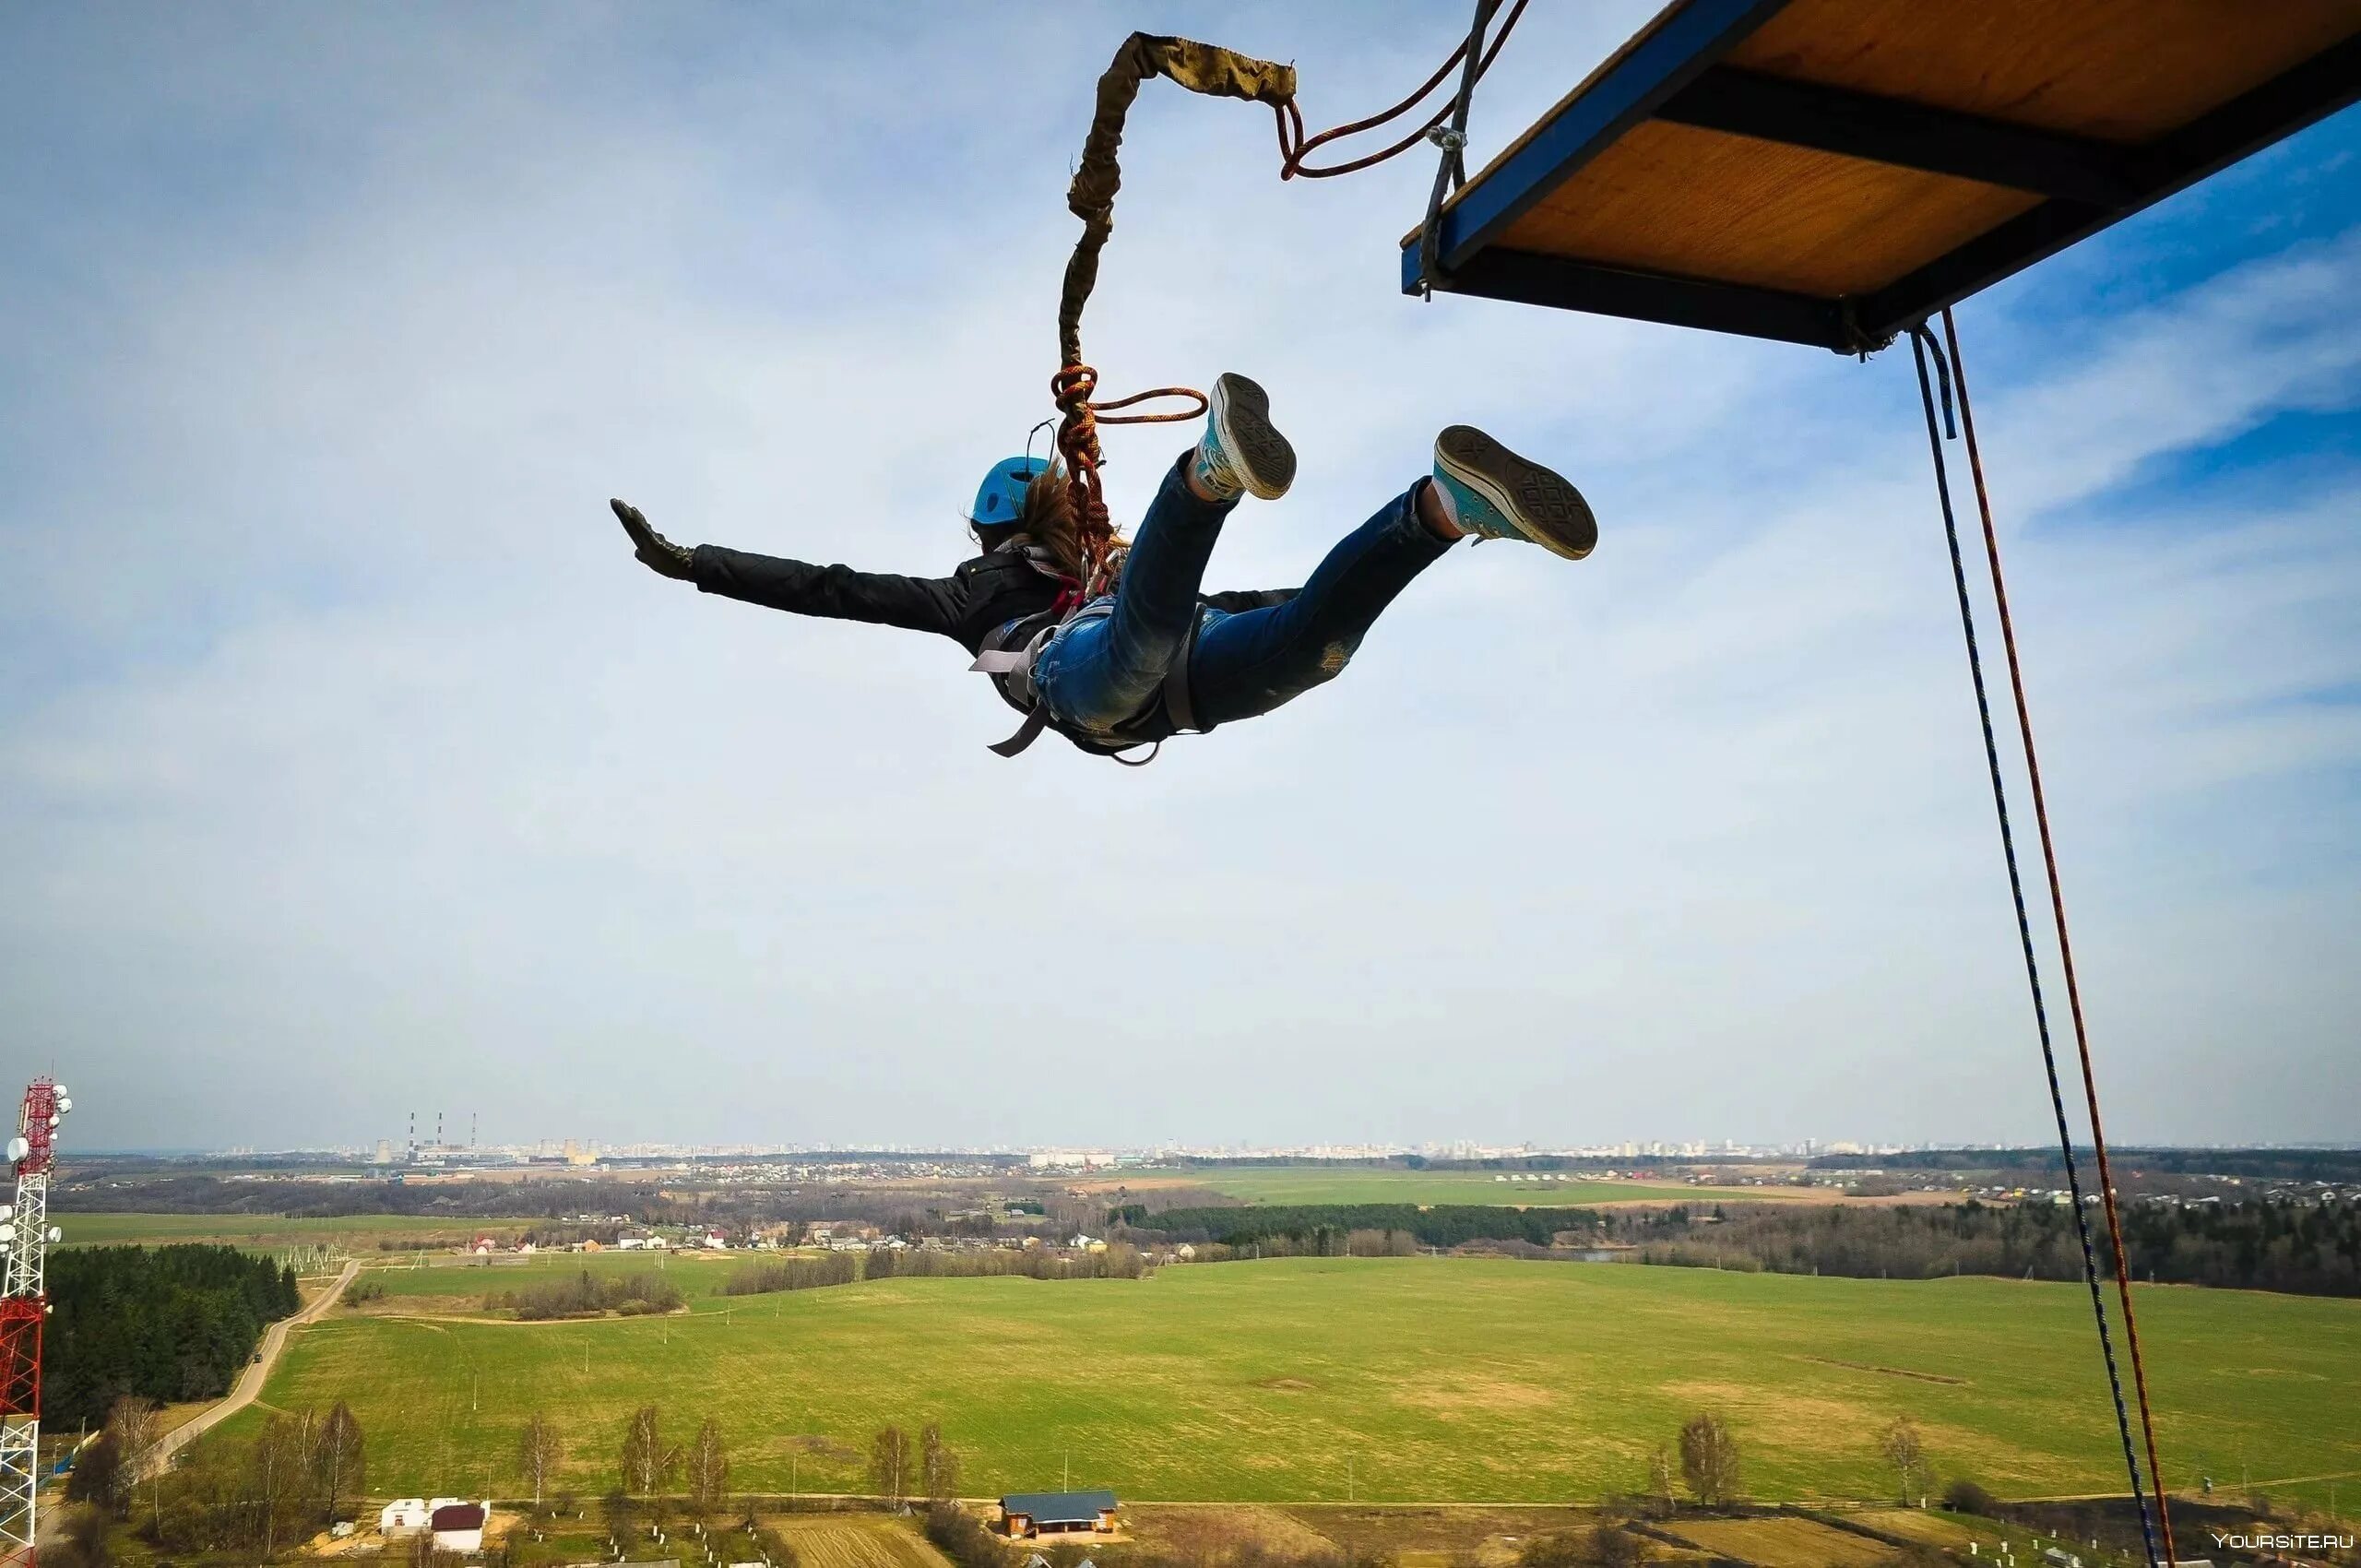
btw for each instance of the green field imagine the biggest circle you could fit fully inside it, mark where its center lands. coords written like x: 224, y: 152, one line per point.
x: 357, y: 1231
x: 697, y: 1277
x: 1437, y: 1379
x: 1389, y: 1185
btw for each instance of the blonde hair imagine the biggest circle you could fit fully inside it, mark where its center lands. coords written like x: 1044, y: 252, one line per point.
x: 1049, y: 519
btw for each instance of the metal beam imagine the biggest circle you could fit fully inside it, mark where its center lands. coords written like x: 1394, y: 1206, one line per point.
x: 1906, y: 136
x: 1527, y: 278
x: 2302, y: 96
x: 1627, y: 91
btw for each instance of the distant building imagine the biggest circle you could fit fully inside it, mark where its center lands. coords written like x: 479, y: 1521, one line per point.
x: 405, y: 1516
x: 1028, y: 1513
x: 459, y: 1526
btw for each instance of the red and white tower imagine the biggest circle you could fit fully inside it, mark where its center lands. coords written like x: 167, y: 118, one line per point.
x: 25, y: 1236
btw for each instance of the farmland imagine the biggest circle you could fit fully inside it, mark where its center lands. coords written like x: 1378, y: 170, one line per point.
x: 270, y: 1231
x: 1407, y: 1380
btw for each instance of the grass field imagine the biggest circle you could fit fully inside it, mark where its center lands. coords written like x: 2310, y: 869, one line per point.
x: 699, y: 1276
x: 359, y: 1232
x: 1411, y: 1379
x: 1374, y: 1184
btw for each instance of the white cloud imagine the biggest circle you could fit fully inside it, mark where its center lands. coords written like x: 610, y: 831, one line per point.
x: 349, y: 763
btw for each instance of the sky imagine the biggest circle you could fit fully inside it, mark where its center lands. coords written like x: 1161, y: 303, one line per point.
x: 349, y: 765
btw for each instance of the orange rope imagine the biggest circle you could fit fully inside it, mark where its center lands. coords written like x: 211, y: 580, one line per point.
x: 2065, y: 946
x: 1093, y: 199
x: 1293, y: 145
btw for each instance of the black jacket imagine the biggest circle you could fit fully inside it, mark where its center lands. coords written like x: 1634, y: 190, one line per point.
x: 981, y: 594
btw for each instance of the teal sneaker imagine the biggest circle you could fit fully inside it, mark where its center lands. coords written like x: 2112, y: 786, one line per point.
x: 1241, y: 453
x: 1496, y: 494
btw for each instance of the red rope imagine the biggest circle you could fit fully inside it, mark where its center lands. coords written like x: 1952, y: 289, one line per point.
x: 1294, y: 145
x: 2065, y: 945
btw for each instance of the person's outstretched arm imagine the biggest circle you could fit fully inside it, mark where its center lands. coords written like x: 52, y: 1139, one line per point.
x: 918, y: 604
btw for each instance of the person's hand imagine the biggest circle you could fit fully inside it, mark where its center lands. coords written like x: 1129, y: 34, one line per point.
x: 657, y: 552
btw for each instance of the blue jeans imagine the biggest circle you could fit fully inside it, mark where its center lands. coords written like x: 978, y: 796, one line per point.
x: 1105, y: 676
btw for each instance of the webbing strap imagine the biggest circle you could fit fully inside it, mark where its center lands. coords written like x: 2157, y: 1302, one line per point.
x: 1027, y: 733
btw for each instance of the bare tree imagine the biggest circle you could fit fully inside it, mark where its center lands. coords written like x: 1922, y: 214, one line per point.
x: 644, y: 1453
x: 1907, y: 1455
x: 1709, y: 1460
x: 708, y: 1467
x: 340, y: 1458
x: 136, y: 1425
x: 889, y: 1463
x: 1660, y: 1481
x: 276, y: 1477
x: 538, y: 1450
x: 938, y: 1465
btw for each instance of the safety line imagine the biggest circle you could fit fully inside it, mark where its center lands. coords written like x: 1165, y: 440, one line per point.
x: 2065, y: 945
x: 1920, y: 341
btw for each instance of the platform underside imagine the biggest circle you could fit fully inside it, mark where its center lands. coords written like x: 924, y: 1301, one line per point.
x: 1830, y: 172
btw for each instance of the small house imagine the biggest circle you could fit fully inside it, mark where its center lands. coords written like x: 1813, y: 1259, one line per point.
x: 1028, y: 1514
x: 404, y: 1517
x: 459, y: 1526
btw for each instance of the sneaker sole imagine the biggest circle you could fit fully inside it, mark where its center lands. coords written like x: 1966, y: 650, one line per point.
x: 1265, y: 458
x: 1544, y: 507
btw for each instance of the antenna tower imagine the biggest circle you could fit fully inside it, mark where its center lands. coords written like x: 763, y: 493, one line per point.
x: 25, y: 1236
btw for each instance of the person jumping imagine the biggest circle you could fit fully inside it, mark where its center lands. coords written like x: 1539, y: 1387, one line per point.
x: 1156, y: 656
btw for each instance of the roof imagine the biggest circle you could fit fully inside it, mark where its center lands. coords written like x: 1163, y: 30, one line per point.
x: 1829, y: 172
x: 1059, y: 1507
x: 458, y: 1516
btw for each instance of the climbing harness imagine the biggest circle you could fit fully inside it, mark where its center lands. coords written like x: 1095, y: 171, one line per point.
x: 1945, y: 378
x: 1012, y: 650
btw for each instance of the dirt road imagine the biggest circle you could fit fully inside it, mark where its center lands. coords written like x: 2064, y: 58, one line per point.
x: 249, y: 1385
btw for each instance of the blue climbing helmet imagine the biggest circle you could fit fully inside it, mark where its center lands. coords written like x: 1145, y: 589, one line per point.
x: 1001, y: 498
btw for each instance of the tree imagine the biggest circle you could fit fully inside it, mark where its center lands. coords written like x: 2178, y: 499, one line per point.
x: 1709, y: 1460
x: 80, y: 1540
x: 537, y: 1452
x: 1907, y: 1456
x: 1963, y: 1496
x: 938, y: 1465
x: 1660, y: 1481
x: 643, y: 1457
x: 97, y: 1478
x: 340, y: 1458
x: 136, y: 1426
x: 889, y: 1463
x: 1612, y: 1546
x: 708, y: 1467
x: 276, y: 1477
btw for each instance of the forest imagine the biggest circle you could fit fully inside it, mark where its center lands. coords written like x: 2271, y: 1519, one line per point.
x: 163, y: 1322
x: 2301, y: 1248
x: 1444, y: 1225
x: 2043, y: 1164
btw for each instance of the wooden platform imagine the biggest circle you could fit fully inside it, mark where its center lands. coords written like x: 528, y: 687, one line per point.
x: 1830, y: 172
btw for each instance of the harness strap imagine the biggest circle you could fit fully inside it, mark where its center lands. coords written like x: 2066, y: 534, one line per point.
x: 1011, y: 667
x: 1178, y: 704
x: 1027, y: 733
